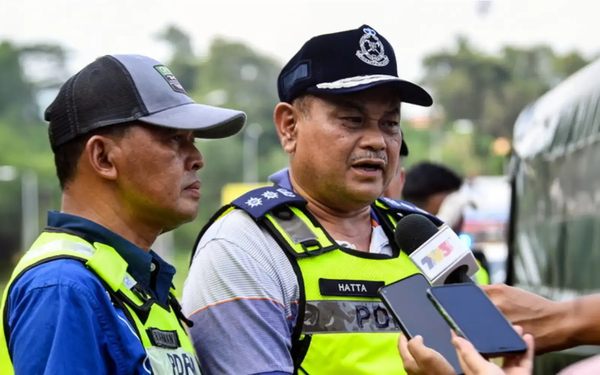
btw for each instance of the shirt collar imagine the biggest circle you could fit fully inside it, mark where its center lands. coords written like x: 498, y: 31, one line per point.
x: 139, y: 262
x: 282, y: 178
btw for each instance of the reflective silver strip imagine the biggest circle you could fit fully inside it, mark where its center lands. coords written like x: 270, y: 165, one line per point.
x: 347, y: 316
x: 295, y: 228
x: 85, y: 250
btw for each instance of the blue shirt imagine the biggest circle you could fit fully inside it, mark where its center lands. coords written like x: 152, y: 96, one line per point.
x: 61, y: 319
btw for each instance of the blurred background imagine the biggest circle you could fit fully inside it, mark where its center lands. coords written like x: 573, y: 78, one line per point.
x: 485, y: 62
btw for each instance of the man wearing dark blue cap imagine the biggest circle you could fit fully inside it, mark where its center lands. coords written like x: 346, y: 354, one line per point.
x: 90, y: 297
x: 284, y: 279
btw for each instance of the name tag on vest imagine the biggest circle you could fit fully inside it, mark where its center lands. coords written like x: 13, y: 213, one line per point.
x: 349, y: 288
x: 163, y: 339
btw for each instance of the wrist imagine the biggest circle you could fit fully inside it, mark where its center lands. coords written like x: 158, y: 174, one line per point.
x: 570, y: 324
x: 555, y: 330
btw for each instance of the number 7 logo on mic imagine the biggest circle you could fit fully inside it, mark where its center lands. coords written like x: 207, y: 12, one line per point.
x: 438, y: 254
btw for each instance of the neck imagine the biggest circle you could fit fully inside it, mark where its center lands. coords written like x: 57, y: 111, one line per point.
x: 351, y: 226
x: 110, y: 214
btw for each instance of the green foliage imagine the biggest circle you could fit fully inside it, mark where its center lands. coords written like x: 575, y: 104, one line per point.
x: 231, y: 75
x: 491, y: 90
x: 469, y: 84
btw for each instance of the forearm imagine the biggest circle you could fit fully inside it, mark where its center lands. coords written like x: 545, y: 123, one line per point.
x: 571, y: 323
x: 582, y: 327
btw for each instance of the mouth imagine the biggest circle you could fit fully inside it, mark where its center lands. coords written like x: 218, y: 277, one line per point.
x: 370, y: 165
x: 193, y: 186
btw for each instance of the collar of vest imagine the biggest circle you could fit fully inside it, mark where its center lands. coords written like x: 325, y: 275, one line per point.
x: 293, y: 226
x: 159, y: 328
x: 259, y: 202
x: 102, y: 259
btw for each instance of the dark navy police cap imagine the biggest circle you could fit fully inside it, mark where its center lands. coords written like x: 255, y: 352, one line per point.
x: 346, y: 62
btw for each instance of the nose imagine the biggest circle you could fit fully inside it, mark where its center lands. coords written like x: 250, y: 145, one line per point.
x: 373, y: 138
x: 195, y: 160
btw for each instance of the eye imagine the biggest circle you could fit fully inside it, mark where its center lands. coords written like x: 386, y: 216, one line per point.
x: 354, y: 120
x: 391, y: 124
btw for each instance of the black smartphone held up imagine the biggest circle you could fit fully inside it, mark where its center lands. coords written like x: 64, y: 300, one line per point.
x: 407, y: 302
x: 473, y: 316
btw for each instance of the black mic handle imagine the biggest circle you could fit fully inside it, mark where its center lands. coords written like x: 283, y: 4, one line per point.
x: 459, y: 276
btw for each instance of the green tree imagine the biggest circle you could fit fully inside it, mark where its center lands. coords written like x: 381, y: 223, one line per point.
x: 491, y: 90
x: 25, y: 72
x: 233, y: 75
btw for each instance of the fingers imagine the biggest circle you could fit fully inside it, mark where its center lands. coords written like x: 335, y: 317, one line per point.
x: 410, y: 365
x: 427, y: 360
x: 470, y: 360
x: 528, y: 358
x: 519, y: 330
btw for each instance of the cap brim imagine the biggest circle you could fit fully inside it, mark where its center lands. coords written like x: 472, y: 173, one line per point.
x: 409, y: 92
x: 206, y: 121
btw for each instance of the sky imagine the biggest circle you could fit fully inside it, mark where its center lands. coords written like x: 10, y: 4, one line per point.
x: 91, y: 28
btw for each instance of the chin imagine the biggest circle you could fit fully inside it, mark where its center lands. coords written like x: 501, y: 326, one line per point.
x: 188, y: 215
x: 182, y: 215
x: 369, y: 194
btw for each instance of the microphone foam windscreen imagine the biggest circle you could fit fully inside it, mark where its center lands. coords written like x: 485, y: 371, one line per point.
x: 413, y: 231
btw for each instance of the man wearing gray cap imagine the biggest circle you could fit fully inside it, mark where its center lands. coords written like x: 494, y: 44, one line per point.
x: 90, y: 296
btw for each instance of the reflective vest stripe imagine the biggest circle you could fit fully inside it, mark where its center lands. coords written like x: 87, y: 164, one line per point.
x: 159, y: 330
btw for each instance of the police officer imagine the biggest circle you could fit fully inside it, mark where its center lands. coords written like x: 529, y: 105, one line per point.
x: 90, y: 296
x: 285, y: 279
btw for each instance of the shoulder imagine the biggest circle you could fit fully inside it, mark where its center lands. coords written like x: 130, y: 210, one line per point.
x: 240, y: 227
x: 236, y: 258
x: 406, y: 208
x: 259, y: 202
x: 236, y: 240
x: 58, y: 274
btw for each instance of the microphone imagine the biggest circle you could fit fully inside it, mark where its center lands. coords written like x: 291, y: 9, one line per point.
x: 439, y: 254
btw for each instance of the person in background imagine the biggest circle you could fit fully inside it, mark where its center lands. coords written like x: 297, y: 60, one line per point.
x: 90, y: 296
x: 438, y: 190
x: 428, y: 184
x: 590, y: 366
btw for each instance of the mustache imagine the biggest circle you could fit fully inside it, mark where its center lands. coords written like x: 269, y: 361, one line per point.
x: 369, y: 155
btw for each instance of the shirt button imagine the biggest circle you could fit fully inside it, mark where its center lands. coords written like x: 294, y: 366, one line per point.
x: 152, y: 267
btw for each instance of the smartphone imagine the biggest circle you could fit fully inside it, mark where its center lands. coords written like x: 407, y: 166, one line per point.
x: 473, y: 316
x: 407, y: 302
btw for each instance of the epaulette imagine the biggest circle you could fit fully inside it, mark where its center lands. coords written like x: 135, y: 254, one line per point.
x: 259, y: 202
x: 405, y: 208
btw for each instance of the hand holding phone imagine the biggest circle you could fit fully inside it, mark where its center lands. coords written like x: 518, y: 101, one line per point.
x: 407, y: 302
x: 474, y: 317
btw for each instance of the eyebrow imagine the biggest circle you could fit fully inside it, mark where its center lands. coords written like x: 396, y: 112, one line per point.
x: 349, y: 104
